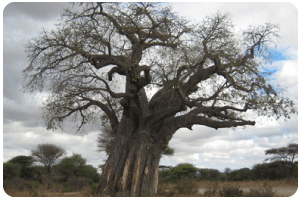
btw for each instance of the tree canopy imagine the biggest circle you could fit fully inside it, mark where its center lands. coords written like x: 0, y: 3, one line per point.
x: 48, y: 154
x: 206, y: 72
x: 287, y: 154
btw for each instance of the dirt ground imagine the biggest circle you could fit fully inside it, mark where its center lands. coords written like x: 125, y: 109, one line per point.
x: 280, y: 191
x: 283, y: 188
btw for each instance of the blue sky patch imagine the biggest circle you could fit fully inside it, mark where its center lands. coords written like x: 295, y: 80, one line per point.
x: 279, y: 55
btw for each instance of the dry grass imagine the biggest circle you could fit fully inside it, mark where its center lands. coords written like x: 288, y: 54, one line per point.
x: 55, y: 191
x: 249, y: 184
x: 165, y: 189
x: 217, y: 188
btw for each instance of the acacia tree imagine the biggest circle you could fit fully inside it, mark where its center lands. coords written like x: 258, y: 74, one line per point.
x: 47, y: 154
x: 287, y: 154
x: 150, y: 72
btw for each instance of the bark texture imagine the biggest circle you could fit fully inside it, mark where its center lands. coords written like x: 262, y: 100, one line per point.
x: 132, y: 167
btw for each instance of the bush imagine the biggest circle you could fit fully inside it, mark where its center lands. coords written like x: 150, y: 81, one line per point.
x: 181, y: 171
x: 211, y: 190
x: 11, y: 170
x: 230, y: 192
x: 14, y: 184
x: 77, y: 183
x: 66, y: 187
x: 185, y: 186
x: 32, y: 184
x: 209, y: 174
x: 261, y: 192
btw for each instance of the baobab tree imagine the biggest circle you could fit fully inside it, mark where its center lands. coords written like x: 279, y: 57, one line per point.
x: 150, y: 72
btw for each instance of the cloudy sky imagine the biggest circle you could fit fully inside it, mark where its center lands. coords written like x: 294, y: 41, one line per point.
x: 204, y: 147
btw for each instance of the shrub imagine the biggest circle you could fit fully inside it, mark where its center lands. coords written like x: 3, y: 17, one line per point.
x: 66, y: 187
x: 185, y: 186
x: 261, y: 192
x: 94, y: 189
x: 11, y: 170
x: 211, y: 190
x: 181, y: 171
x: 77, y: 183
x: 14, y: 184
x: 163, y: 190
x: 32, y: 184
x: 230, y: 192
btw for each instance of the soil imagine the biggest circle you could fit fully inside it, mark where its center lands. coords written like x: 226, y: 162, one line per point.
x: 280, y: 191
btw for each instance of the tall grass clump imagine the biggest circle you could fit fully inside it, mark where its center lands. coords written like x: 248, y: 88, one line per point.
x: 265, y: 191
x: 212, y: 189
x: 186, y: 186
x: 229, y: 191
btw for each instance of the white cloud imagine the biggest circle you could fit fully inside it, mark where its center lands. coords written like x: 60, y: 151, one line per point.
x: 287, y: 76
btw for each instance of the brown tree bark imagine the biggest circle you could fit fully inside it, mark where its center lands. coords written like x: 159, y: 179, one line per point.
x: 135, y: 156
x: 129, y: 169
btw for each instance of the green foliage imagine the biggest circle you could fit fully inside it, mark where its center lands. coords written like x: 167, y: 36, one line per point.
x: 25, y: 162
x: 11, y: 170
x: 90, y: 173
x: 71, y: 166
x: 186, y: 186
x: 66, y: 187
x: 32, y: 184
x: 168, y: 151
x: 37, y: 173
x: 265, y: 171
x: 181, y: 171
x: 274, y: 170
x: 75, y: 166
x: 209, y: 174
x: 240, y: 175
x: 77, y: 183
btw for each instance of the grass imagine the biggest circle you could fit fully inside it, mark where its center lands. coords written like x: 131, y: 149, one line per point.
x: 183, y: 188
x: 229, y: 188
x: 42, y: 192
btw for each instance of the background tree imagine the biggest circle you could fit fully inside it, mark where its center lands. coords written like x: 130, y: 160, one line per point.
x: 48, y: 155
x: 11, y: 170
x: 150, y: 72
x: 25, y: 162
x: 71, y: 166
x: 74, y: 172
x: 181, y: 171
x: 287, y: 154
x: 209, y: 174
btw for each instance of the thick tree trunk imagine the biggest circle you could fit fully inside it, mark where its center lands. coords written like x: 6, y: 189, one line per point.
x: 132, y: 168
